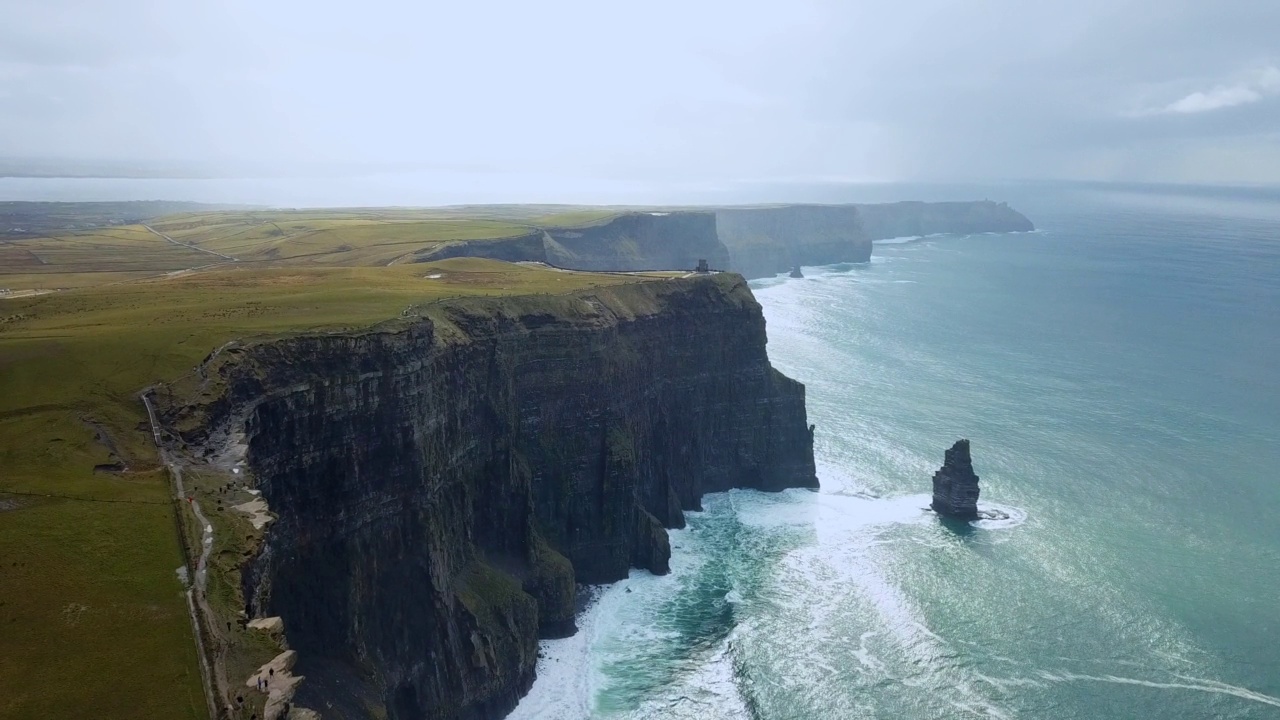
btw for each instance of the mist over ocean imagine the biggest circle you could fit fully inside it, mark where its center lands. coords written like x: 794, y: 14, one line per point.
x: 1118, y: 372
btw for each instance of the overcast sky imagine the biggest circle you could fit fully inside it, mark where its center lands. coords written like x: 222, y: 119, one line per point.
x: 743, y: 90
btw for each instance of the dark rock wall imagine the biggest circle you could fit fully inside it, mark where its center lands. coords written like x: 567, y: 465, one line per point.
x: 442, y: 486
x: 955, y: 484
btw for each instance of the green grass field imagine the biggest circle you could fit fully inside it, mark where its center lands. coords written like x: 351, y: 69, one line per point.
x: 265, y: 238
x: 93, y: 622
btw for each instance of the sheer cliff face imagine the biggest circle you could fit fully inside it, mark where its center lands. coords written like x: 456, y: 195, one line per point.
x: 440, y: 487
x: 765, y: 241
x: 627, y: 242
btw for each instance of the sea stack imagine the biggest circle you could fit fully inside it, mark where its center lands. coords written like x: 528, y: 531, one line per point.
x: 795, y: 272
x: 955, y: 485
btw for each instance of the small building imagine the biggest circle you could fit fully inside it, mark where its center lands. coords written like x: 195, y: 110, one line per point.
x: 702, y: 266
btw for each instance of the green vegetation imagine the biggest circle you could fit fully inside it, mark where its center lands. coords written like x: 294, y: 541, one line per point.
x: 130, y: 248
x: 93, y: 620
x: 265, y: 238
x: 328, y: 238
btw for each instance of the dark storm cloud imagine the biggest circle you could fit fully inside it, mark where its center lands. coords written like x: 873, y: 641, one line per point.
x: 680, y: 91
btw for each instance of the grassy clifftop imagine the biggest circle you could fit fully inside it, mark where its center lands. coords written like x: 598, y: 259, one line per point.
x: 94, y: 621
x: 38, y: 262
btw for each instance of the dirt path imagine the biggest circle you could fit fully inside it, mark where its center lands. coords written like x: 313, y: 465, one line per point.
x: 189, y: 246
x: 196, y: 596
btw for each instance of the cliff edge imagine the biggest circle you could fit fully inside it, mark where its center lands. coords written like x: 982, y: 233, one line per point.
x: 442, y: 482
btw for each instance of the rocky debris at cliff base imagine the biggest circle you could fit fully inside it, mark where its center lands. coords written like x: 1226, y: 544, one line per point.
x: 269, y: 624
x: 955, y: 485
x: 257, y: 511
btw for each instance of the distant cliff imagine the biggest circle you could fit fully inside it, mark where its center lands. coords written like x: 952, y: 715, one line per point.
x: 765, y: 241
x: 628, y: 241
x: 442, y: 483
x: 908, y: 219
x: 754, y: 241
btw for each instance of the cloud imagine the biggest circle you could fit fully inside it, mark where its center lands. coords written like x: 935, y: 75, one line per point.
x: 1263, y: 82
x: 716, y: 91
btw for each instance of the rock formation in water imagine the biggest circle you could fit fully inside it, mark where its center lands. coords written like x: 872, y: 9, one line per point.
x: 955, y: 485
x: 626, y: 242
x: 796, y: 273
x: 441, y: 483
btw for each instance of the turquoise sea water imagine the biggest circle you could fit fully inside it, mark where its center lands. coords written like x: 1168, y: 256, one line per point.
x: 1118, y: 373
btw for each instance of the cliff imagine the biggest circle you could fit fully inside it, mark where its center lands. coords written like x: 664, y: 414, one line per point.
x: 955, y: 485
x: 908, y: 219
x: 754, y: 241
x: 765, y: 241
x: 626, y: 242
x: 440, y: 483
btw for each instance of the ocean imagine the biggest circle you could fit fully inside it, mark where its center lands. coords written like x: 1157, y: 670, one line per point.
x: 1118, y: 373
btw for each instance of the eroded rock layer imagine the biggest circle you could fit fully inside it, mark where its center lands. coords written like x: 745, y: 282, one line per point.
x: 442, y: 483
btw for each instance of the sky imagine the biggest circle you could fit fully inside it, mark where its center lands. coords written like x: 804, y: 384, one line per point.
x: 695, y: 91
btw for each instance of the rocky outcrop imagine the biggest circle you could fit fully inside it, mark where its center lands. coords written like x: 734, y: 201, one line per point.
x: 765, y: 241
x: 441, y: 483
x: 955, y: 485
x: 626, y: 242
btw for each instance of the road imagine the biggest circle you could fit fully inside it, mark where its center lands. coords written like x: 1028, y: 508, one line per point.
x: 189, y: 245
